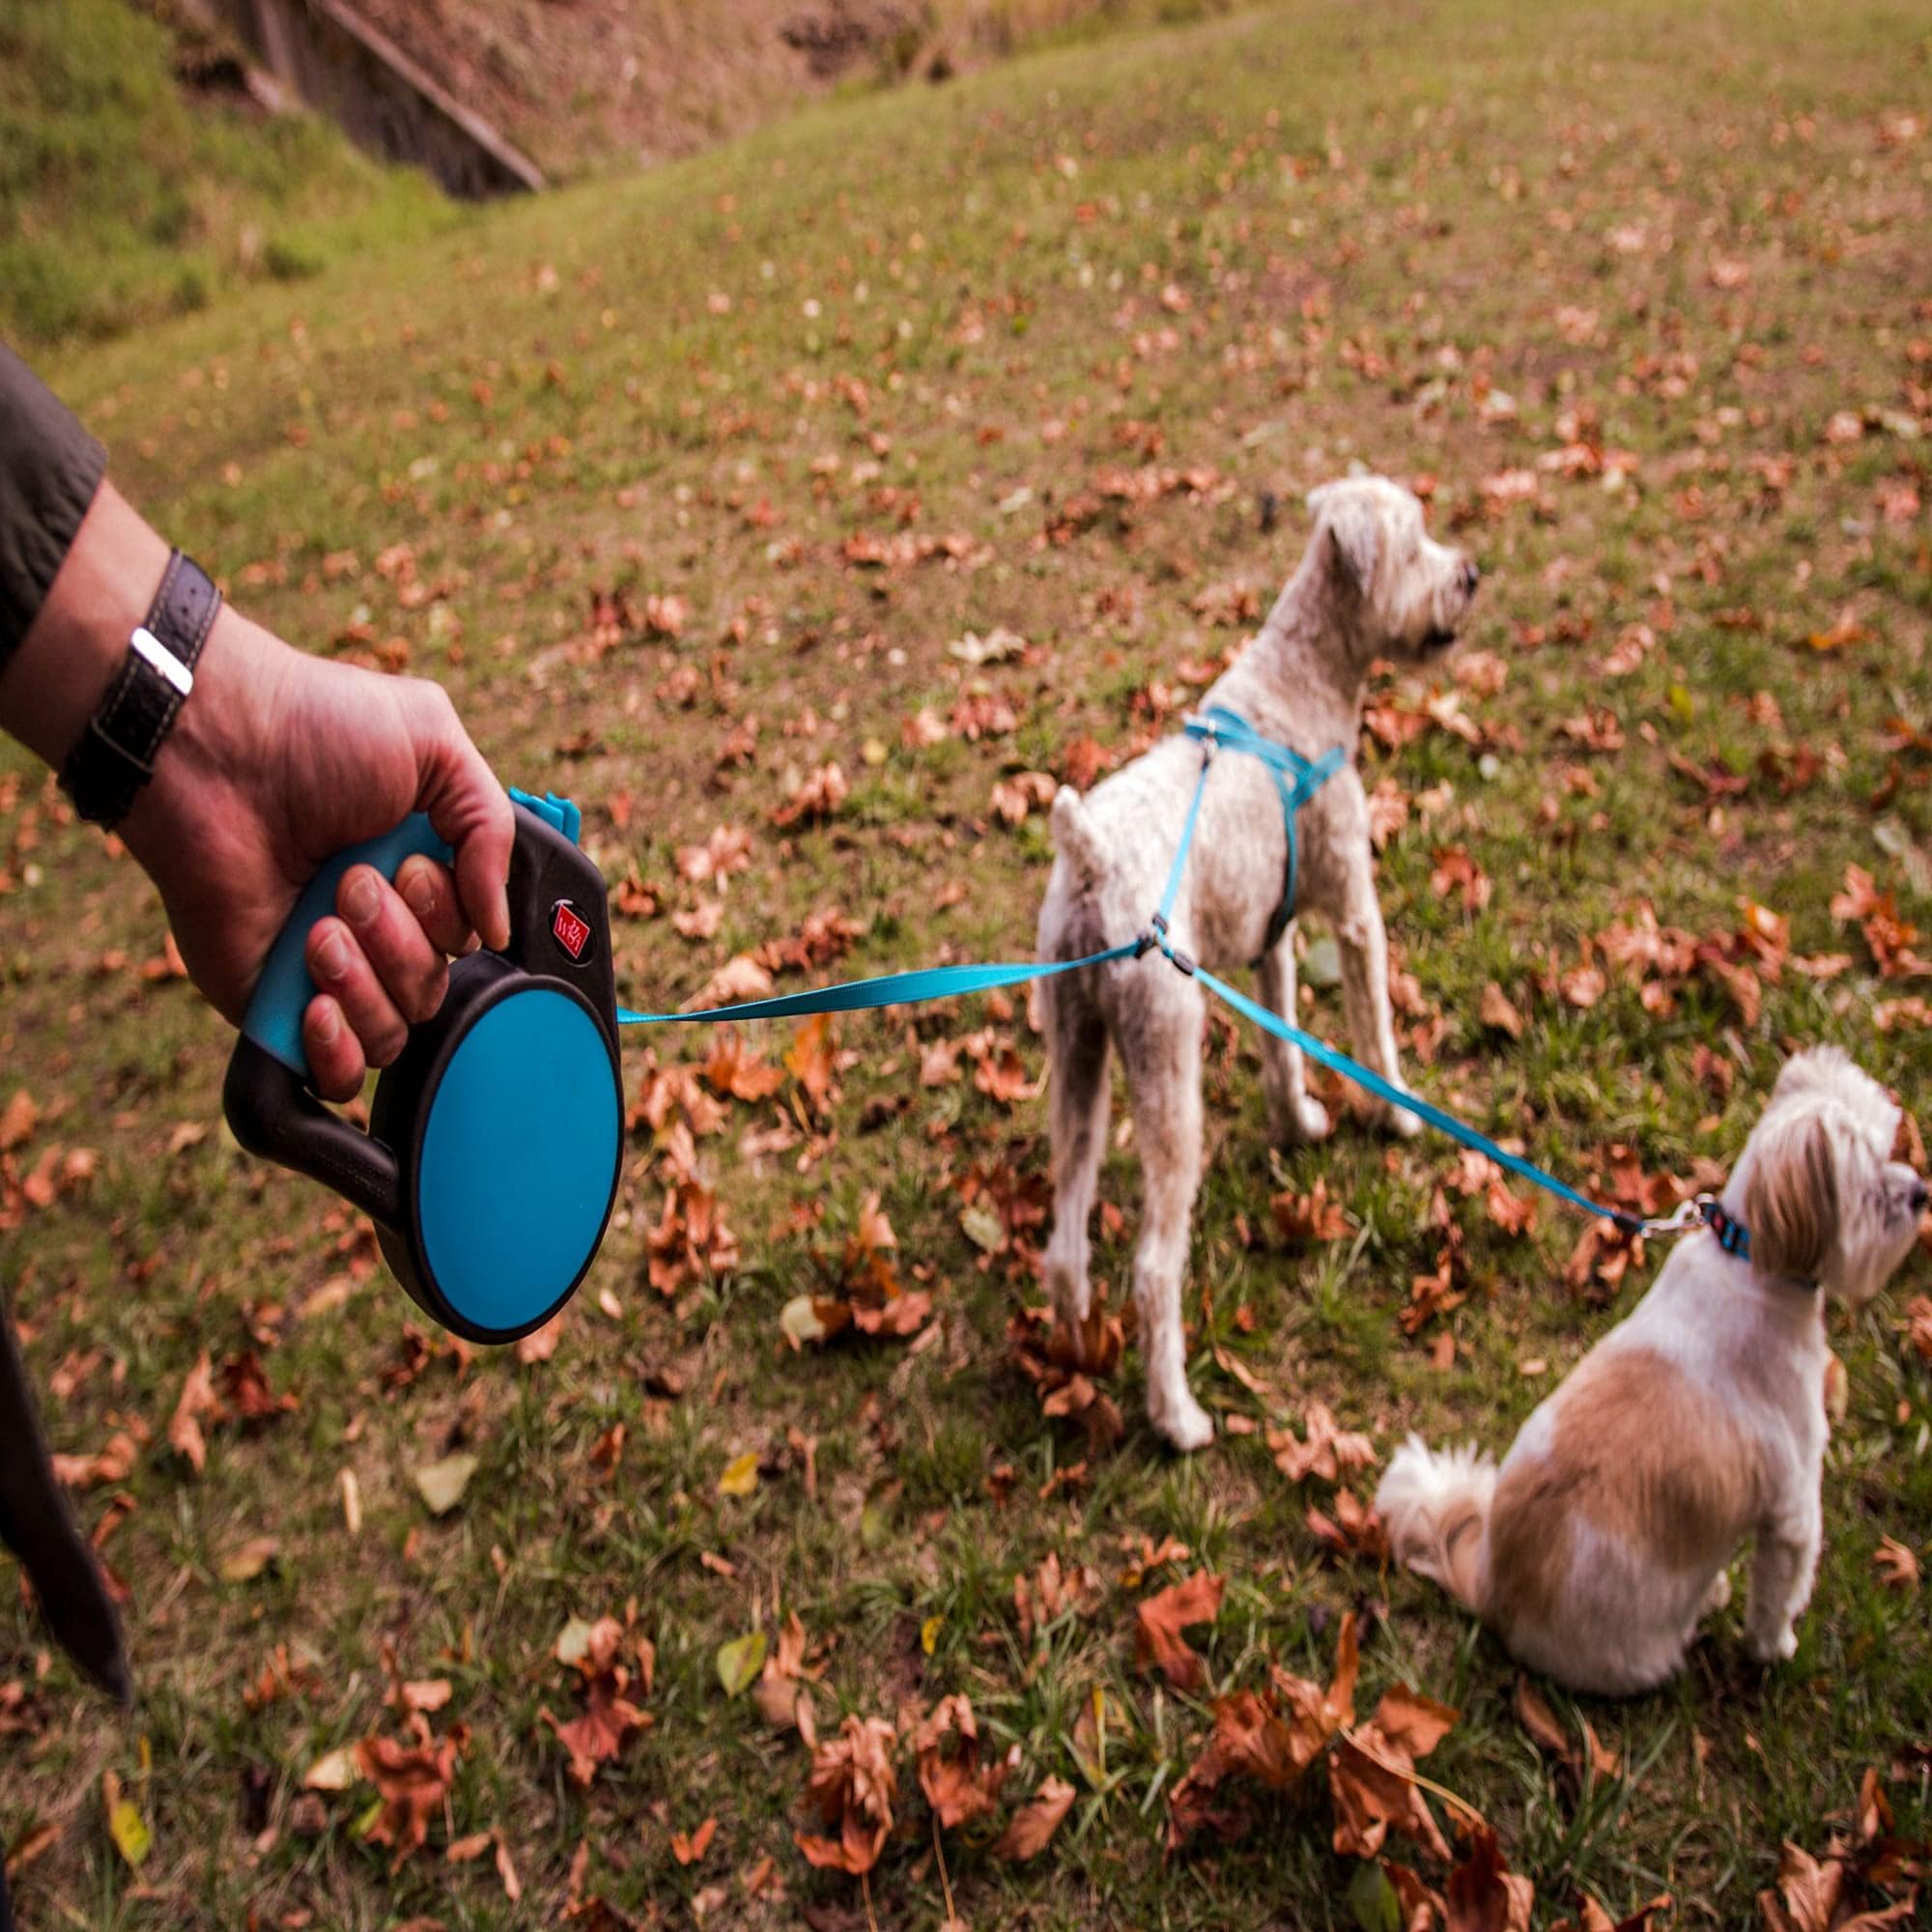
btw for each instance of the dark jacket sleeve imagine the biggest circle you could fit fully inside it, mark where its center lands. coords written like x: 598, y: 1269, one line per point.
x: 49, y: 469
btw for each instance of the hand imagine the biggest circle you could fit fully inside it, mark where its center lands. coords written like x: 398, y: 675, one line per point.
x: 277, y: 761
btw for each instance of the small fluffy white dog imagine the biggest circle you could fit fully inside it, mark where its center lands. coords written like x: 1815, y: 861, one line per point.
x: 1698, y: 1421
x: 1371, y: 584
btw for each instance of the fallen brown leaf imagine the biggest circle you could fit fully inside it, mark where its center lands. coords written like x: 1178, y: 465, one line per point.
x: 1267, y: 1736
x: 1326, y: 1450
x: 852, y: 1787
x: 1483, y: 1894
x: 957, y: 1784
x: 1159, y: 1621
x: 414, y: 1780
x: 1035, y: 1823
x: 197, y: 1400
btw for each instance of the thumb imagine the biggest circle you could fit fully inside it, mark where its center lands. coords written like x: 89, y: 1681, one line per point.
x: 469, y: 808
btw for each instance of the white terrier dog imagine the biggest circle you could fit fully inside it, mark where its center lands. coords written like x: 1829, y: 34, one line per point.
x: 1699, y: 1420
x: 1371, y: 584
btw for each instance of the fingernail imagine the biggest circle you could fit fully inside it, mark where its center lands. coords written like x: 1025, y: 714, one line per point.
x: 360, y: 899
x: 328, y: 1023
x: 420, y: 895
x: 332, y: 956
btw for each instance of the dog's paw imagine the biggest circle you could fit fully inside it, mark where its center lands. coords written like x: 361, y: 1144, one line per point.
x: 1184, y: 1423
x: 1300, y: 1123
x: 1778, y: 1646
x: 1071, y: 1290
x: 1718, y: 1596
x: 1398, y: 1122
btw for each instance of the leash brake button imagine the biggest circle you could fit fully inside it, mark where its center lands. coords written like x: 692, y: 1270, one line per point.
x: 560, y: 814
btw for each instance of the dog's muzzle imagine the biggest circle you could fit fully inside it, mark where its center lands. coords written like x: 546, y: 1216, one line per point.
x: 1468, y: 578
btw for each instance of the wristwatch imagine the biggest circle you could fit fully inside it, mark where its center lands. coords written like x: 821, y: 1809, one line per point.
x: 115, y: 756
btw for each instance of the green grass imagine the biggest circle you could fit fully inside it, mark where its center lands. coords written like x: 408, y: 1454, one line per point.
x: 125, y: 201
x: 545, y: 402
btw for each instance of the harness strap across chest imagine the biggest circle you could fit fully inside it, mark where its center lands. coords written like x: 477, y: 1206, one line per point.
x: 1296, y: 780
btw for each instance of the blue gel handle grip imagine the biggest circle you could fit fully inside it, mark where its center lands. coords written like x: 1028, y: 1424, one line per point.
x: 282, y: 996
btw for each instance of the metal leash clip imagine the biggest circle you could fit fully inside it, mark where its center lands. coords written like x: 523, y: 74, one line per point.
x: 1207, y: 730
x: 1689, y: 1214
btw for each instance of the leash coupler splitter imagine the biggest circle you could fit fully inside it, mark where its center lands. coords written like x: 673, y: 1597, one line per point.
x: 491, y: 1163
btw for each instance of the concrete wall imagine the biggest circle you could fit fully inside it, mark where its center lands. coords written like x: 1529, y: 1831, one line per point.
x: 342, y: 65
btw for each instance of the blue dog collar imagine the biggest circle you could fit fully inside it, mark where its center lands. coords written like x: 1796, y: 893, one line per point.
x: 1733, y: 1237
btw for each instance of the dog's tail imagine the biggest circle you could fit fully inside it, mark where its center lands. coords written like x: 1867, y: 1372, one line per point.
x: 1073, y: 837
x: 1437, y: 1506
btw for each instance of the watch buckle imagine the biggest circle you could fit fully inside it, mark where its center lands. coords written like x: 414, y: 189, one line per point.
x: 159, y: 659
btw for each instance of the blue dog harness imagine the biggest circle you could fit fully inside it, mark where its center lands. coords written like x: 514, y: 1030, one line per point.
x: 1296, y: 780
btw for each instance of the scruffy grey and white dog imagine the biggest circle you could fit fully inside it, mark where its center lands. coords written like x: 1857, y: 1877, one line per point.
x: 1604, y: 1538
x: 1371, y: 584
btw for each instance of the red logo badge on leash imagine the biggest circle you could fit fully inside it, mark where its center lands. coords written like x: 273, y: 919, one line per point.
x: 570, y: 929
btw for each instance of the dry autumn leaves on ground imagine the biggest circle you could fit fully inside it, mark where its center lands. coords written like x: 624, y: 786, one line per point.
x: 808, y: 510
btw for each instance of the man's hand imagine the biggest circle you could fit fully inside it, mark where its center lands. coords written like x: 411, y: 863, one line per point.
x: 277, y: 761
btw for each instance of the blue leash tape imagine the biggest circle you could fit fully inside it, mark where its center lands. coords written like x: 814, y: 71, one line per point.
x: 1181, y: 852
x: 1338, y: 1061
x: 1218, y: 727
x: 889, y: 989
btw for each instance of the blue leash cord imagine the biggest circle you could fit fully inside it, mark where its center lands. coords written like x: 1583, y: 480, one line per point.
x: 1372, y: 1082
x: 889, y: 989
x: 1218, y: 727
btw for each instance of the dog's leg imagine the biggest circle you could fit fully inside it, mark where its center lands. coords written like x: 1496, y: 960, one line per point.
x: 1294, y: 1116
x: 1365, y: 994
x: 1160, y: 1045
x: 1782, y: 1570
x: 1077, y: 1117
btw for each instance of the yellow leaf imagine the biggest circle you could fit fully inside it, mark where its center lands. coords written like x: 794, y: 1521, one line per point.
x: 124, y: 1823
x: 574, y: 1641
x: 247, y: 1560
x: 740, y: 1661
x: 740, y: 1477
x: 335, y: 1772
x: 801, y: 1320
x: 442, y: 1484
x: 929, y: 1634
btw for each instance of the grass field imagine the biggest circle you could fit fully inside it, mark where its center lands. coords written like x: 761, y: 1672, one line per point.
x: 1641, y: 293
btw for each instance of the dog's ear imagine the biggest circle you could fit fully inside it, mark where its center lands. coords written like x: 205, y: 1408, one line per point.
x: 1791, y: 1201
x: 1351, y: 527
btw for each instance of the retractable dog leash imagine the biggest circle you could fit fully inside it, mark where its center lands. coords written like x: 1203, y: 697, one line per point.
x: 491, y: 1163
x: 490, y: 1167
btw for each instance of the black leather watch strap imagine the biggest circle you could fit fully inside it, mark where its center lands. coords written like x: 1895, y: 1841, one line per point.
x: 115, y: 756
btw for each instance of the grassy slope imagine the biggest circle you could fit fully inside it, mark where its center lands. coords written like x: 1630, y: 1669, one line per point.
x: 125, y: 201
x: 543, y: 403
